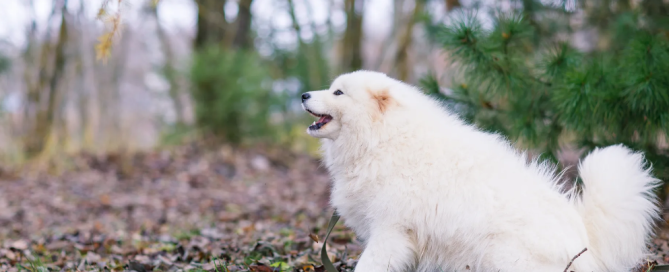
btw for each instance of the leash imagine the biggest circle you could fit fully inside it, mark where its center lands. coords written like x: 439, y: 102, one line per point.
x: 329, y: 267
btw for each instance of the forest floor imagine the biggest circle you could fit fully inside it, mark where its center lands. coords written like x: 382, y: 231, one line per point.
x: 188, y: 208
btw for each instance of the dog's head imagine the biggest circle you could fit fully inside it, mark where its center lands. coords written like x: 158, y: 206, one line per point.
x: 353, y: 101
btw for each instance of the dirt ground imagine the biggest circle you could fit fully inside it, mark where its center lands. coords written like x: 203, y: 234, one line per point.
x: 189, y: 208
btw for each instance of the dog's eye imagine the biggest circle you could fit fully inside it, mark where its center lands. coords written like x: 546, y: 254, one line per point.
x: 338, y: 92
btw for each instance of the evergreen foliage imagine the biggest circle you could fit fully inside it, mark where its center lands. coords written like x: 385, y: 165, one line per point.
x: 525, y: 80
x: 233, y: 95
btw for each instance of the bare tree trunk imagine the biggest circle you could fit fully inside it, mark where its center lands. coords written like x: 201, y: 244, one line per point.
x: 87, y: 89
x: 388, y: 42
x: 404, y: 43
x: 169, y: 70
x: 242, y: 39
x: 328, y: 22
x: 655, y: 9
x: 48, y: 88
x: 318, y: 60
x: 452, y: 4
x: 309, y: 77
x: 55, y: 91
x: 112, y: 98
x: 211, y: 25
x: 351, y: 49
x: 32, y: 94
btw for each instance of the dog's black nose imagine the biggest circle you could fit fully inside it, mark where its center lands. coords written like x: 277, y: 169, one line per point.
x: 305, y: 96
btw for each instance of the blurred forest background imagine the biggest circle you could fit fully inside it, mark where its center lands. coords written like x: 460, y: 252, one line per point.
x: 127, y: 75
x: 101, y: 76
x: 105, y: 80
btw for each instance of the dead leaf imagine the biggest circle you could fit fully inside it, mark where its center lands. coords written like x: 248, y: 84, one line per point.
x: 93, y: 258
x: 313, y: 237
x: 132, y: 265
x: 9, y: 255
x: 39, y: 248
x: 19, y: 245
x: 260, y: 268
x: 105, y: 200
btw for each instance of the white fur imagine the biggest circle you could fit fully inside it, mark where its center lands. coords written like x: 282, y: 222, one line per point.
x: 427, y: 192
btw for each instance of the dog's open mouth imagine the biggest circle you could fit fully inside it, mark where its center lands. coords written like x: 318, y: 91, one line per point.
x: 323, y: 119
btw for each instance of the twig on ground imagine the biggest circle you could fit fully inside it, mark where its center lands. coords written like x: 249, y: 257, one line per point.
x: 572, y: 259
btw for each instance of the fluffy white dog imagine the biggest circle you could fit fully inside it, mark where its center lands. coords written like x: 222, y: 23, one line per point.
x: 427, y: 192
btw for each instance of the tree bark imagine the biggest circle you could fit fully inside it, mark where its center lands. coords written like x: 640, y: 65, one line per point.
x: 655, y: 9
x: 111, y: 100
x: 169, y: 70
x: 88, y: 106
x: 452, y: 4
x: 352, y: 44
x: 308, y: 72
x: 48, y: 88
x: 388, y: 43
x: 32, y: 94
x: 242, y: 39
x: 318, y: 60
x: 404, y: 43
x: 211, y: 24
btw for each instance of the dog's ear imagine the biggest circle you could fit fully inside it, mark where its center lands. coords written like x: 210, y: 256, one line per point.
x: 383, y: 100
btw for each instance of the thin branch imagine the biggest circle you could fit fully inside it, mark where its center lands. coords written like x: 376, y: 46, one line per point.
x: 572, y: 259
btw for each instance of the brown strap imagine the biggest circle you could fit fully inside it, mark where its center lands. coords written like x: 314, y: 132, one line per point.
x: 329, y: 267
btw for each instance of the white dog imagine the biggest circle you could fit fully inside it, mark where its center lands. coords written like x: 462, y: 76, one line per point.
x: 427, y: 192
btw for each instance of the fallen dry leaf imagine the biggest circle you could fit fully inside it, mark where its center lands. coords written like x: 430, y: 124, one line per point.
x: 313, y: 237
x: 19, y: 245
x: 189, y: 207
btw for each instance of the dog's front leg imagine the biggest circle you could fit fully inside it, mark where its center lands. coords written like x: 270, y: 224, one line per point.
x: 387, y: 250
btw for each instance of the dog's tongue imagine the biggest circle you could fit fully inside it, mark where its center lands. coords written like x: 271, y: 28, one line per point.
x: 324, y: 119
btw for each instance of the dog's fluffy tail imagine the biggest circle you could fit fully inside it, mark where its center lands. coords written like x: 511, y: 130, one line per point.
x: 618, y: 206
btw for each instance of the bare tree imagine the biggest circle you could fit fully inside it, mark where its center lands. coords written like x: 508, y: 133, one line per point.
x: 452, y: 4
x: 312, y: 70
x: 110, y: 97
x: 169, y: 70
x: 242, y: 39
x: 87, y: 91
x: 212, y: 27
x: 352, y: 43
x: 389, y: 41
x: 404, y: 43
x: 321, y: 74
x: 45, y: 94
x: 30, y: 59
